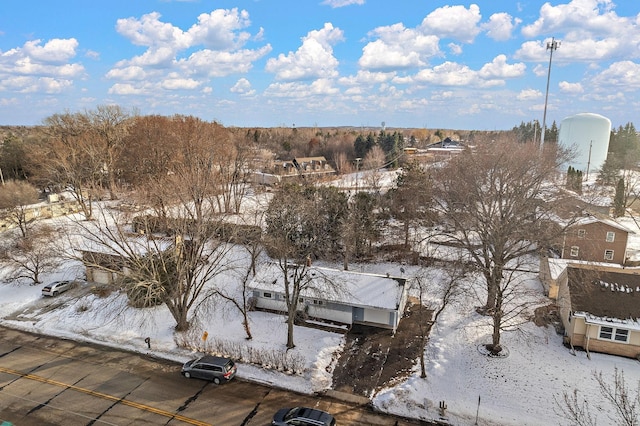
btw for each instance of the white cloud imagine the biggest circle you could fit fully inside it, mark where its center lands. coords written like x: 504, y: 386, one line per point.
x: 150, y: 31
x: 242, y: 87
x: 498, y: 68
x: 57, y: 51
x: 572, y: 88
x: 36, y: 67
x: 219, y: 33
x: 592, y: 31
x: 341, y: 3
x: 218, y: 30
x: 586, y: 16
x: 211, y: 63
x: 625, y: 74
x: 500, y: 26
x: 301, y: 90
x: 313, y: 59
x: 125, y: 89
x: 456, y: 22
x: 366, y: 78
x: 398, y: 47
x: 455, y: 49
x: 176, y: 83
x: 529, y: 94
x: 127, y: 73
x: 448, y: 74
x: 29, y: 84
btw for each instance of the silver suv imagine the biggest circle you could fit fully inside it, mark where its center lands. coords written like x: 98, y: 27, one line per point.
x: 209, y: 367
x: 56, y: 288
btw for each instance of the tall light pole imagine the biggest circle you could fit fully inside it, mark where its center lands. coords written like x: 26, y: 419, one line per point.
x: 551, y: 45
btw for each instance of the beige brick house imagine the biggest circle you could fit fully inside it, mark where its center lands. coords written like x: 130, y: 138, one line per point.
x: 600, y: 309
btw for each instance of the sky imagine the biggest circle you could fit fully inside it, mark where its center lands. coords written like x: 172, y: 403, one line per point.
x: 259, y: 63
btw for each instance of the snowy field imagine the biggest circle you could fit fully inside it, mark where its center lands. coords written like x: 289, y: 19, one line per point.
x: 520, y: 389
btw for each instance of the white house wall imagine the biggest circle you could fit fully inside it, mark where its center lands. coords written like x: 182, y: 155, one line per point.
x: 377, y: 316
x: 331, y: 312
x: 328, y: 311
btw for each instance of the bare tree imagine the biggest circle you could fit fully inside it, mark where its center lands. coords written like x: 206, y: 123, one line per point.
x: 176, y: 269
x: 372, y: 163
x: 248, y: 236
x: 437, y: 289
x: 32, y: 256
x: 68, y: 159
x: 108, y: 127
x: 295, y: 230
x: 625, y: 403
x: 15, y: 197
x: 494, y: 202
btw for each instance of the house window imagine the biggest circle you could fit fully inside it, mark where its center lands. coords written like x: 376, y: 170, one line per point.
x: 318, y: 302
x: 267, y: 295
x: 574, y: 251
x: 608, y: 255
x: 622, y: 335
x: 616, y: 334
x: 606, y: 333
x: 582, y: 233
x: 611, y: 236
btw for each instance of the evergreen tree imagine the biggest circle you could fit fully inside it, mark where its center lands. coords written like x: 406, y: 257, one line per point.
x: 618, y: 200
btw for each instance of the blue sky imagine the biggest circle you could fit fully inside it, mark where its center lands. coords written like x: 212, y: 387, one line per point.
x: 409, y: 63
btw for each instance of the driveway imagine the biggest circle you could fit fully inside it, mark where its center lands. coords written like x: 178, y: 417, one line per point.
x: 374, y: 357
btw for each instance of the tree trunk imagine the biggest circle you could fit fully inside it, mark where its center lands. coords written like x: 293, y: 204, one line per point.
x: 423, y: 368
x: 245, y: 324
x: 495, y: 347
x: 290, y: 321
x: 182, y: 324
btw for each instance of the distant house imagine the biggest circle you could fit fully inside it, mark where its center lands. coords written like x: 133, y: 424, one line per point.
x: 600, y: 309
x: 317, y: 166
x: 595, y: 239
x: 339, y: 296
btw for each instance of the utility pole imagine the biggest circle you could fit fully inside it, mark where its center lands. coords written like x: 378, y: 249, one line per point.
x: 551, y: 45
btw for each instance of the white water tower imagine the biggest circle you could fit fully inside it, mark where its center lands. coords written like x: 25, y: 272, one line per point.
x: 588, y: 134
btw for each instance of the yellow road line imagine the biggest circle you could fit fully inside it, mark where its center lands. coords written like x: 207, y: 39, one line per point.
x: 106, y: 396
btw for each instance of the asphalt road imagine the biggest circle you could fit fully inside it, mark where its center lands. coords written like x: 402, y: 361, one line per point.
x: 47, y: 381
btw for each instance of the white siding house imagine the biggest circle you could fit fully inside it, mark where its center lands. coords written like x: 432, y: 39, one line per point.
x: 335, y: 295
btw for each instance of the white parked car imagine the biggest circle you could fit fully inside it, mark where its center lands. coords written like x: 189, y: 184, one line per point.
x: 56, y: 288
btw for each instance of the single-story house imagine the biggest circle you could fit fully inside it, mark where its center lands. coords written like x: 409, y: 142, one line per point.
x: 107, y: 265
x: 600, y: 309
x: 335, y: 295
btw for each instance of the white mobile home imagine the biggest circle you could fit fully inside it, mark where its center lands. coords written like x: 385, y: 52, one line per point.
x: 340, y: 296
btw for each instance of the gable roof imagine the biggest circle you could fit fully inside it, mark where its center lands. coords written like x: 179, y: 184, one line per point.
x: 589, y: 220
x: 605, y: 294
x: 333, y: 285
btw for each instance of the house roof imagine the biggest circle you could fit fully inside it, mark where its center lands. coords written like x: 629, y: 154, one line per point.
x: 588, y: 220
x: 332, y: 285
x: 605, y: 294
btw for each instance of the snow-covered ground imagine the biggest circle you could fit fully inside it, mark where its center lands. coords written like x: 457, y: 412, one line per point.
x: 520, y: 389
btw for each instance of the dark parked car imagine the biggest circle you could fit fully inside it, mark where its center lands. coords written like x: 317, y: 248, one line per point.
x: 303, y: 416
x: 209, y: 367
